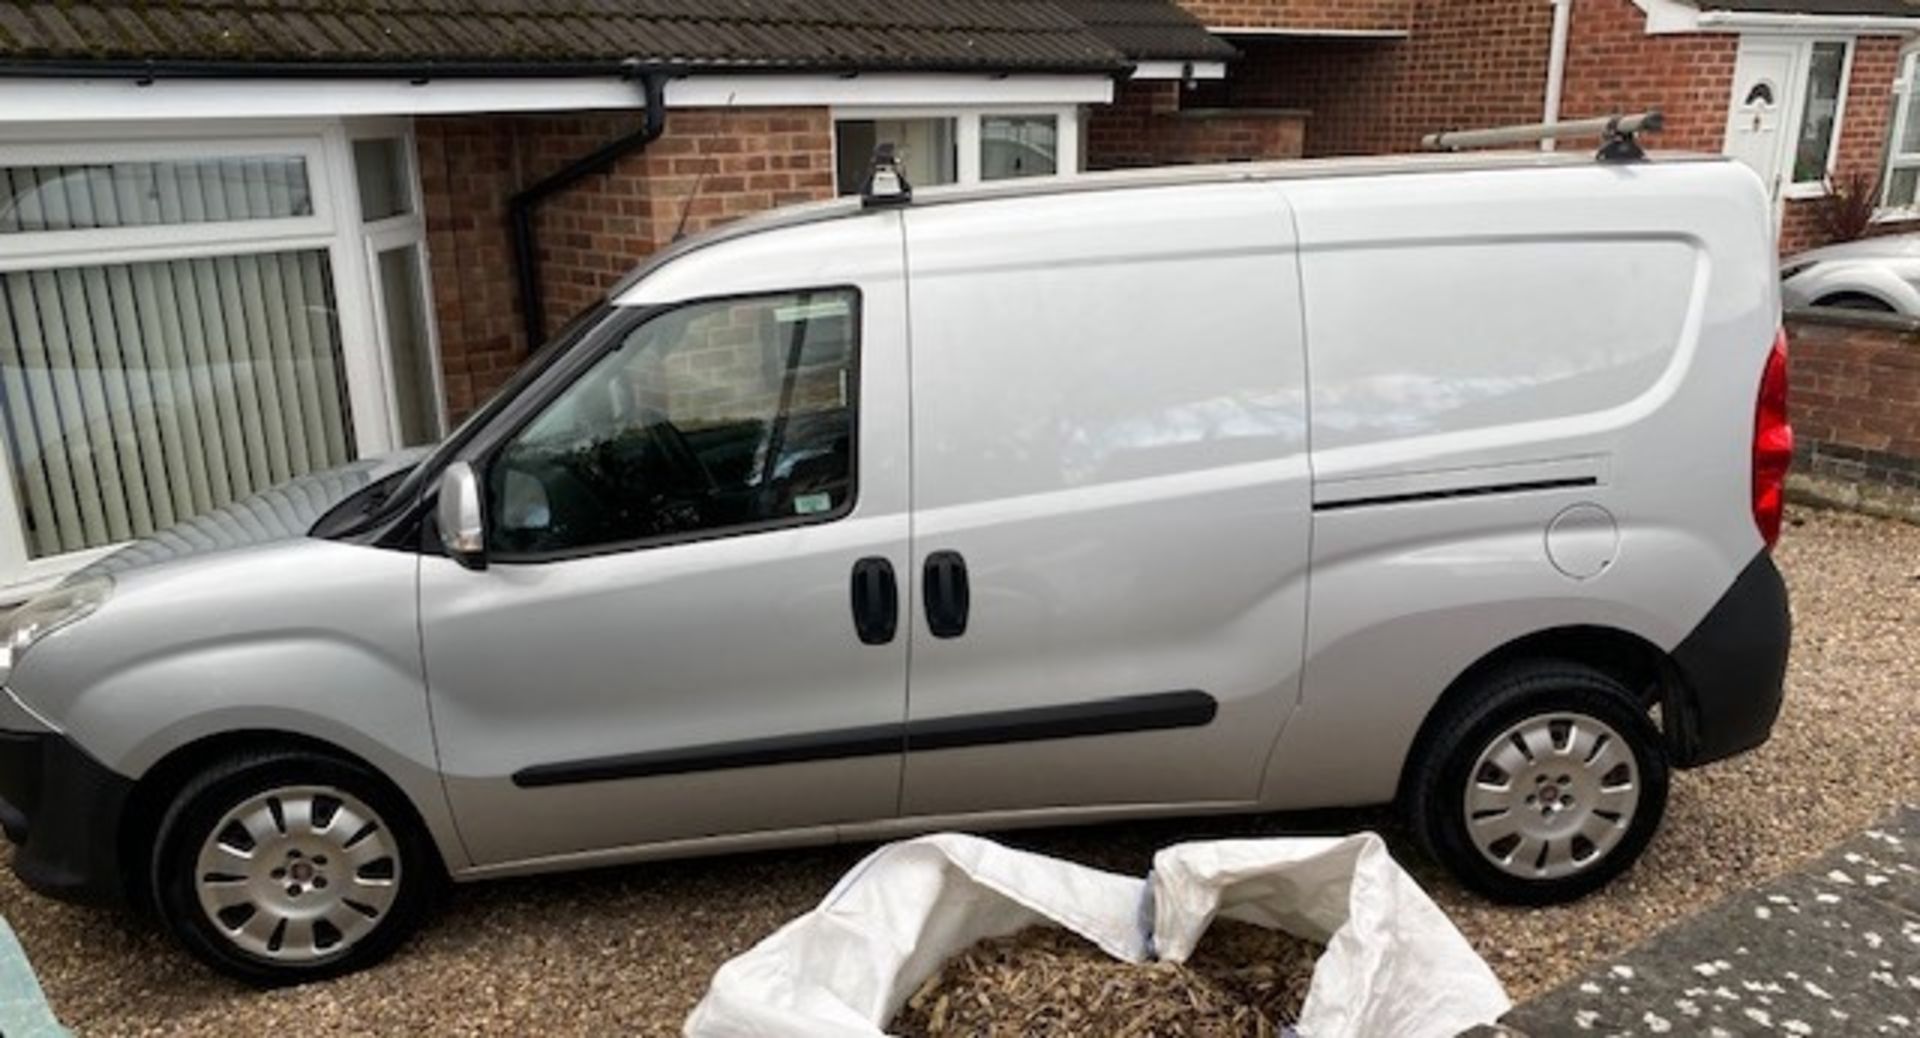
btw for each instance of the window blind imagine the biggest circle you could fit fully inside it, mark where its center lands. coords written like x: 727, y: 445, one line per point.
x: 135, y: 395
x: 147, y: 194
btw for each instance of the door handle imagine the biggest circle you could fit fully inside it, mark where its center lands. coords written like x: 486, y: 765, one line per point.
x: 948, y: 596
x: 876, y: 601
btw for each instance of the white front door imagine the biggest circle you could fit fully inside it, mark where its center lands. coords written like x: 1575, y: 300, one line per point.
x: 1763, y: 79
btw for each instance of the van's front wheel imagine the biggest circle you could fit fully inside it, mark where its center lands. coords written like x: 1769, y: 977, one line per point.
x: 288, y: 866
x: 1546, y: 781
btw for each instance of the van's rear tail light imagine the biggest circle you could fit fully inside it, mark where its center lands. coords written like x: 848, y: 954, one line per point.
x: 1772, y: 444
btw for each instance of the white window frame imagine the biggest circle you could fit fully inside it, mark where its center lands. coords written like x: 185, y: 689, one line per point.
x: 334, y: 227
x: 408, y: 229
x: 966, y: 132
x: 43, y: 250
x: 1894, y: 158
x: 1796, y: 115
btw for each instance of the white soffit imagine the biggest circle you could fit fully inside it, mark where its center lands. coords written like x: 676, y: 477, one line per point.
x: 1281, y: 32
x: 1676, y: 16
x: 115, y: 99
x: 1180, y: 70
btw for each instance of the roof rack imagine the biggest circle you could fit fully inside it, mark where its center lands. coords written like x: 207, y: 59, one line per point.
x: 886, y: 182
x: 1618, y: 135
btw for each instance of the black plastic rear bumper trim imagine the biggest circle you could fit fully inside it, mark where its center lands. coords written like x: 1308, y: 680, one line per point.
x: 1159, y: 711
x: 1728, y: 677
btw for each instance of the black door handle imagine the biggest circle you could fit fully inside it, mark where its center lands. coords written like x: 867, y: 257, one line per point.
x: 947, y: 594
x: 876, y: 601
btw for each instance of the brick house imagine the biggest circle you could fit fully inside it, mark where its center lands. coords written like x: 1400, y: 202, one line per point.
x: 243, y: 240
x: 1805, y: 91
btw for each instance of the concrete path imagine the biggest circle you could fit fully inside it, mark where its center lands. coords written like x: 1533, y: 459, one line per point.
x: 1831, y: 950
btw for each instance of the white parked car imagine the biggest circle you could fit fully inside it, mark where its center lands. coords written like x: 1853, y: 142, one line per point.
x: 1418, y: 480
x: 1876, y: 275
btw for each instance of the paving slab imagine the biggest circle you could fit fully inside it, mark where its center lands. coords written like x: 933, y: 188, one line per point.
x: 1833, y: 949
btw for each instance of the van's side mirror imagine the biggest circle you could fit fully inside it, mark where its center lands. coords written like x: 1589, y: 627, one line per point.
x: 462, y: 531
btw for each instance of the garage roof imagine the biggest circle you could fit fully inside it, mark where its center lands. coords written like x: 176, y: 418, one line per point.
x: 466, y: 35
x: 1150, y: 30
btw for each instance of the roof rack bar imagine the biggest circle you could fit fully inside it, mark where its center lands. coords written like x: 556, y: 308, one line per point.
x: 1616, y: 132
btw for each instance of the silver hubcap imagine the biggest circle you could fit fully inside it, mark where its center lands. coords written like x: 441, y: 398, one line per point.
x: 1552, y: 796
x: 298, y: 874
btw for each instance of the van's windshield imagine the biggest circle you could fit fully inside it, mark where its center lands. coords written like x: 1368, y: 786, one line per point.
x: 403, y: 491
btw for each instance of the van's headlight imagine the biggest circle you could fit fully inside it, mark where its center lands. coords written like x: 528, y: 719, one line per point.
x: 48, y: 613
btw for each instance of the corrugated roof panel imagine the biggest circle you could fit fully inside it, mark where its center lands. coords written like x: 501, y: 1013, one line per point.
x: 1009, y: 35
x: 1149, y: 30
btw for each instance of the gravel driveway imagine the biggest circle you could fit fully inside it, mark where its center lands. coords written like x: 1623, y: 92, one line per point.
x: 630, y: 950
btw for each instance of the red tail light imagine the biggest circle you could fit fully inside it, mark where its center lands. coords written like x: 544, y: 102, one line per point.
x: 1772, y: 444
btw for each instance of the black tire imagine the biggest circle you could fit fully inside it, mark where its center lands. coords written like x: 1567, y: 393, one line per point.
x: 1533, y: 693
x: 206, y: 800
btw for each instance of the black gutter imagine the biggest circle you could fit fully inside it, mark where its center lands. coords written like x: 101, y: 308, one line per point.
x: 521, y: 207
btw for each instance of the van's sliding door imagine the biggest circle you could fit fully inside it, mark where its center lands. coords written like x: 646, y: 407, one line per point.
x: 1111, y: 498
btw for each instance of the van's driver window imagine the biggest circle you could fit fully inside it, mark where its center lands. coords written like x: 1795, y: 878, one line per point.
x: 708, y: 418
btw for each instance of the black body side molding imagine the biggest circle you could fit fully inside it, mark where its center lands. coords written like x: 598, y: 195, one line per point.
x: 1158, y: 711
x: 1451, y: 493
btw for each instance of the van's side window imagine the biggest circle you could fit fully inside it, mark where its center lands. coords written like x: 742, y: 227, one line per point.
x: 712, y: 417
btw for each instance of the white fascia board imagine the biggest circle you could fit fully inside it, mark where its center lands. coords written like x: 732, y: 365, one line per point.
x: 114, y: 99
x: 1332, y: 34
x: 1180, y: 70
x: 1665, y: 17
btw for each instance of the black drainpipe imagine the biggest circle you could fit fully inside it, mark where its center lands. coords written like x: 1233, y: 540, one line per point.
x: 520, y: 209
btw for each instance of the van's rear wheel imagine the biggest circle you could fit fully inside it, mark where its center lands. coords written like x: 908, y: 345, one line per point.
x: 1545, y: 782
x: 288, y: 866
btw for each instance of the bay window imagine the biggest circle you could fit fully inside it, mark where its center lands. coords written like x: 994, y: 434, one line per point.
x: 186, y: 322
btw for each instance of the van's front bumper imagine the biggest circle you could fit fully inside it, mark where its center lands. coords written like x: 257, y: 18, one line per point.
x: 62, y: 811
x: 1729, y: 676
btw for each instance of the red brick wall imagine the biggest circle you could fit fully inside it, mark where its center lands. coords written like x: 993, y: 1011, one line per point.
x: 1305, y: 14
x: 1613, y: 66
x: 1856, y: 398
x: 466, y: 175
x: 1462, y: 64
x: 1349, y: 89
x: 1146, y: 126
x: 592, y: 234
x: 1482, y: 63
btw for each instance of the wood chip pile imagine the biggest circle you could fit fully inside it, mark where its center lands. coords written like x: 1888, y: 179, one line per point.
x: 1242, y: 982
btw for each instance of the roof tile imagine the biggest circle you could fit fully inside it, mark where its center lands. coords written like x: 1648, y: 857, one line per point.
x: 1008, y: 35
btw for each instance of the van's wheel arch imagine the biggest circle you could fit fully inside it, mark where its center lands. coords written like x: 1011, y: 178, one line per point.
x: 1857, y: 301
x: 284, y: 865
x: 1541, y: 781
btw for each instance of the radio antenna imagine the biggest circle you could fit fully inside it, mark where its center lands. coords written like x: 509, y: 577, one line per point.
x: 686, y: 206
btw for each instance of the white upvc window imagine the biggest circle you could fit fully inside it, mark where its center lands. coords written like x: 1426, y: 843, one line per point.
x: 958, y: 145
x: 1827, y: 66
x: 1900, y: 178
x: 393, y: 229
x: 185, y: 321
